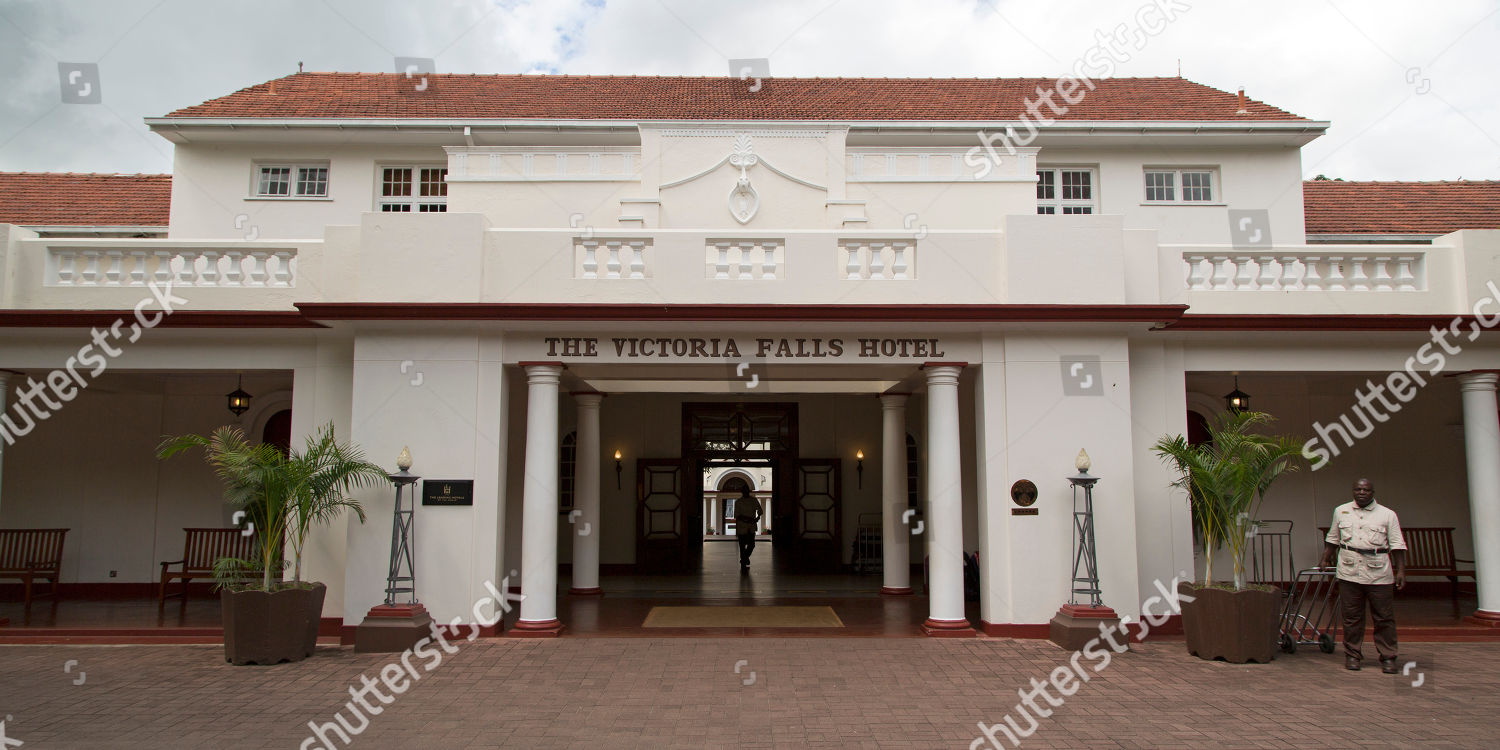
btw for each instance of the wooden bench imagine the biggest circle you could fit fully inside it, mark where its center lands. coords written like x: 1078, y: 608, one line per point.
x: 1429, y: 553
x: 29, y: 554
x: 201, y: 549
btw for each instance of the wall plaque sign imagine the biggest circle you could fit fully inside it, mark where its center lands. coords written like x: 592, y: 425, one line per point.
x: 447, y: 492
x: 1023, y: 492
x: 1024, y: 511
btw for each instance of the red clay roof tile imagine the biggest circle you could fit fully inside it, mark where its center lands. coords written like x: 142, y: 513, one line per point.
x: 1339, y: 207
x: 455, y: 96
x: 72, y: 199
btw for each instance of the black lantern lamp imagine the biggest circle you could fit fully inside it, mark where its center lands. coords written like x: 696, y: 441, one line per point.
x: 618, y: 468
x: 239, y: 400
x: 859, y: 467
x: 1237, y: 400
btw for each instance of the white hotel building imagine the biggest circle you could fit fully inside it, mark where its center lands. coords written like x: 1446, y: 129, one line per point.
x: 523, y: 277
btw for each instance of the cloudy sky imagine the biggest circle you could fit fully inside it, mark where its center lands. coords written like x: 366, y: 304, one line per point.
x: 1405, y: 84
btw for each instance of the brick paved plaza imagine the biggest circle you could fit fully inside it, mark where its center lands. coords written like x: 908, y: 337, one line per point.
x: 684, y: 692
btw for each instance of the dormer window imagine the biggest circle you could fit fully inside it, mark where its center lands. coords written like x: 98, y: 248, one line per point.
x: 291, y: 180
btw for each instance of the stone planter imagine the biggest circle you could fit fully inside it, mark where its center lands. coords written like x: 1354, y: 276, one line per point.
x: 1236, y: 626
x: 270, y: 628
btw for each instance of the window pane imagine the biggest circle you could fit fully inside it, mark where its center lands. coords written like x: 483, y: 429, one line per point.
x: 1078, y: 209
x: 1159, y: 186
x: 1197, y: 186
x: 434, y: 182
x: 1077, y: 185
x: 275, y: 181
x: 395, y: 183
x: 395, y: 207
x: 1046, y: 209
x: 431, y: 208
x: 312, y: 181
x: 1046, y: 188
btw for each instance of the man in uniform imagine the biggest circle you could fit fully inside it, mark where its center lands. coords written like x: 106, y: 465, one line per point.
x: 746, y: 517
x: 1366, y: 536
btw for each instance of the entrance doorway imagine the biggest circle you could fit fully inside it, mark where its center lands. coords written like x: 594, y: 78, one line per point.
x: 675, y: 511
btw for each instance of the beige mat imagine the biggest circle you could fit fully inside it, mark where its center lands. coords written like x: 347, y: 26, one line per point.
x: 742, y: 617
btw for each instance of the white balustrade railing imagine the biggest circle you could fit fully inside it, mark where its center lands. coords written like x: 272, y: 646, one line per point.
x: 611, y: 258
x: 183, y: 267
x: 1305, y: 270
x: 877, y: 259
x: 745, y: 259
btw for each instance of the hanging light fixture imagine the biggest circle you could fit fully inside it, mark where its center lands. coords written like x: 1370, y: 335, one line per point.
x: 1237, y: 400
x: 239, y: 400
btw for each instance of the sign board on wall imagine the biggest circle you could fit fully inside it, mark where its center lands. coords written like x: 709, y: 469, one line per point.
x: 447, y: 492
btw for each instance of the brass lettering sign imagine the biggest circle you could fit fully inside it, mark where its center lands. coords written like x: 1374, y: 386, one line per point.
x: 447, y: 492
x: 759, y: 348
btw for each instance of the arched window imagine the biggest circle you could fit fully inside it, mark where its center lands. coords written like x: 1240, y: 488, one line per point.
x: 913, y: 473
x: 567, y: 466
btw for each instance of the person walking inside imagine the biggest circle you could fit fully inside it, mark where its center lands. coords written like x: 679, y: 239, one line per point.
x: 1366, y: 536
x: 746, y: 517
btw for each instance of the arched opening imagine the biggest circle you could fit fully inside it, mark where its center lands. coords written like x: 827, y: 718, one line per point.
x: 278, y: 431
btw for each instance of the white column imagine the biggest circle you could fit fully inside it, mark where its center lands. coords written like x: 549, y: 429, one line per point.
x: 1482, y: 444
x: 586, y: 498
x: 539, y: 505
x: 945, y: 567
x: 895, y: 544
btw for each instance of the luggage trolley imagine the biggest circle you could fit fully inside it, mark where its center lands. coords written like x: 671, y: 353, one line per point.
x: 1309, y: 616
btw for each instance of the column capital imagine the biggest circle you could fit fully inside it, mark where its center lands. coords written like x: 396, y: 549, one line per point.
x: 588, y: 399
x: 543, y: 372
x: 894, y: 400
x: 943, y: 373
x: 1479, y: 380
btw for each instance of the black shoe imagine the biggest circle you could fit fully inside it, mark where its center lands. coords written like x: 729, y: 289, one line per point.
x: 1388, y: 666
x: 1351, y: 663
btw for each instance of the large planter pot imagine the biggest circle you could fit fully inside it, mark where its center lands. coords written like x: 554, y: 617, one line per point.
x: 270, y: 628
x: 1236, y: 626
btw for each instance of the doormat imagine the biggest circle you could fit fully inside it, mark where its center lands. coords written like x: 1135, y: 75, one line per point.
x: 742, y: 617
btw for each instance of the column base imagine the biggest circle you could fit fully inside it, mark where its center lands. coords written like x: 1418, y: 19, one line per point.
x: 947, y: 629
x: 1077, y: 624
x: 895, y: 591
x: 590, y: 591
x: 537, y: 629
x: 1484, y: 619
x: 392, y: 628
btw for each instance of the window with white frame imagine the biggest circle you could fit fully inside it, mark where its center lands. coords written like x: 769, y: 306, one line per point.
x: 1178, y: 185
x: 1065, y: 190
x: 413, y: 188
x: 291, y: 180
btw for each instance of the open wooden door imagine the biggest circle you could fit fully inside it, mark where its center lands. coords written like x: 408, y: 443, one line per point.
x: 813, y: 523
x: 667, y: 523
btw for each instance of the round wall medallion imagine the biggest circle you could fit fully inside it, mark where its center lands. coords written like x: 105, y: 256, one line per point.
x: 1023, y: 492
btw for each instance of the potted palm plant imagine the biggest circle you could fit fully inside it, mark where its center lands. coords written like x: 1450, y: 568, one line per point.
x: 268, y: 620
x: 1226, y: 479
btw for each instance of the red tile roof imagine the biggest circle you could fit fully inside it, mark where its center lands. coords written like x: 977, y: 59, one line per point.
x: 1338, y: 207
x: 70, y: 199
x: 390, y: 95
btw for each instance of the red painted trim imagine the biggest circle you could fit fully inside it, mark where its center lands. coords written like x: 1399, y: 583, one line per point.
x: 1012, y: 630
x: 1172, y: 627
x: 1085, y: 610
x: 1313, y: 322
x: 637, y: 312
x: 595, y: 591
x: 947, y: 628
x: 1483, y: 618
x: 105, y: 590
x: 330, y: 626
x: 178, y: 319
x: 895, y: 591
x: 537, y: 629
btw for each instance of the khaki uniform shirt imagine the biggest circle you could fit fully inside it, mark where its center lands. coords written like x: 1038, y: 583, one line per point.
x: 1372, y: 527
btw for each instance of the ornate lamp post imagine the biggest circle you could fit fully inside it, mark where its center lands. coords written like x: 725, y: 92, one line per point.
x: 392, y: 627
x: 1076, y: 624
